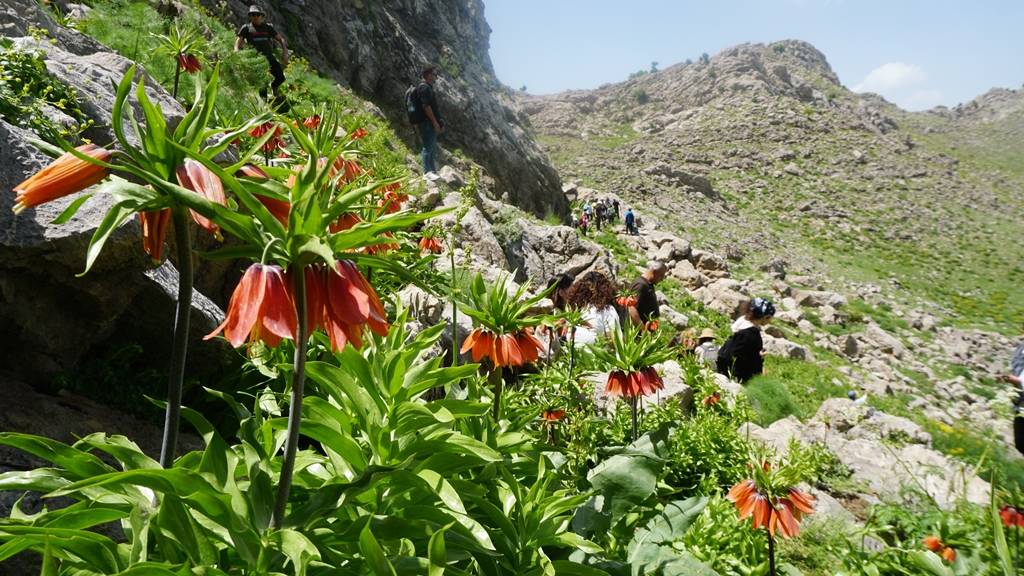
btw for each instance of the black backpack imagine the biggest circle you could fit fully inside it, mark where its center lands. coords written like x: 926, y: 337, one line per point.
x: 412, y: 105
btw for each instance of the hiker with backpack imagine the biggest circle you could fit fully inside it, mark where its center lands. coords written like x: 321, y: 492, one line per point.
x: 421, y: 105
x: 741, y: 356
x: 262, y: 36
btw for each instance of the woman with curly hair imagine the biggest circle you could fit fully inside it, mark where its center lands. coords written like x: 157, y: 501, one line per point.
x: 594, y: 293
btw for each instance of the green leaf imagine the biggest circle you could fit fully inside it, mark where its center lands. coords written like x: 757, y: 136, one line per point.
x: 437, y: 553
x: 71, y: 210
x: 671, y: 523
x: 374, y: 554
x: 999, y: 538
x: 299, y: 549
x: 625, y: 481
x: 80, y: 464
x: 117, y: 215
x: 929, y: 563
x: 569, y: 568
x: 96, y: 551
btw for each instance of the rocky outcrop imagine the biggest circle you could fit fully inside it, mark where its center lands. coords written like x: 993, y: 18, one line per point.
x: 379, y: 48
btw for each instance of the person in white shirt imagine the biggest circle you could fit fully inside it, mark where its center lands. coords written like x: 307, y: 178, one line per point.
x: 594, y: 294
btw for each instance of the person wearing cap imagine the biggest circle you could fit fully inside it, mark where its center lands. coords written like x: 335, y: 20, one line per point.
x: 707, y: 349
x: 646, y: 307
x: 262, y: 36
x: 742, y: 355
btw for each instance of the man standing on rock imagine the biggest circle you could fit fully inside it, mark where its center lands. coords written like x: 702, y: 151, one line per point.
x: 646, y: 307
x: 430, y: 124
x: 262, y: 37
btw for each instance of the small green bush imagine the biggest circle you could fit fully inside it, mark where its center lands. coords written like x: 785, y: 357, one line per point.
x: 770, y: 399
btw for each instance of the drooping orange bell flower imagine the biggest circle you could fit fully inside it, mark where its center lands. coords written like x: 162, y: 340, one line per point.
x: 193, y: 176
x: 949, y: 554
x: 626, y: 301
x: 279, y: 209
x: 346, y: 302
x: 392, y: 199
x: 553, y: 415
x: 344, y: 222
x: 312, y: 122
x: 430, y: 244
x: 502, y: 349
x: 382, y: 247
x: 1011, y: 516
x: 350, y: 170
x: 784, y: 514
x: 712, y: 399
x: 154, y: 230
x: 261, y: 308
x: 274, y: 142
x: 634, y: 384
x: 933, y: 543
x: 358, y: 133
x: 65, y: 175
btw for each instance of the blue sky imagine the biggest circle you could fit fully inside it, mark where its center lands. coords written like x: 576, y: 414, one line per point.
x: 916, y: 53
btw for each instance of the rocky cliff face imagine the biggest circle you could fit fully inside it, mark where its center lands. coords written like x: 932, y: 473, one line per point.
x: 378, y: 48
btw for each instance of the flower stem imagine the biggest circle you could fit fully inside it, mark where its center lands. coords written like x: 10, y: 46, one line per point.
x: 632, y: 409
x: 499, y: 384
x: 572, y: 351
x: 455, y: 310
x: 179, y: 340
x: 177, y: 75
x: 771, y: 554
x: 284, y: 485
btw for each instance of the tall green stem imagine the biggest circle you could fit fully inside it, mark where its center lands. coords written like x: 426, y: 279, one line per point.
x: 771, y: 554
x: 499, y: 384
x: 633, y: 409
x: 284, y: 485
x: 179, y: 340
x: 177, y: 76
x: 455, y: 309
x: 572, y: 351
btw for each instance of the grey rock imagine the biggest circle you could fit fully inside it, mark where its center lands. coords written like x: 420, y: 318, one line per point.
x: 688, y: 275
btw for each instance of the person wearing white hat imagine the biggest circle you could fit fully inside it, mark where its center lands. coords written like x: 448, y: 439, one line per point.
x: 707, y: 349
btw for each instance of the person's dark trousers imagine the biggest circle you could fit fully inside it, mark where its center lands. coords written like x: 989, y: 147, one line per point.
x: 277, y: 72
x: 429, y: 139
x: 1018, y: 433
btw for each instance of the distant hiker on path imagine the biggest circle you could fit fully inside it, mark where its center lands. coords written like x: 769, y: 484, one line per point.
x: 707, y: 350
x: 262, y: 37
x: 599, y: 213
x: 646, y: 307
x: 421, y: 103
x: 742, y: 356
x: 1016, y: 377
x: 630, y: 221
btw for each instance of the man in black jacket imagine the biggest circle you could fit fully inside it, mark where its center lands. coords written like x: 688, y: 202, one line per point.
x: 430, y: 124
x: 742, y: 355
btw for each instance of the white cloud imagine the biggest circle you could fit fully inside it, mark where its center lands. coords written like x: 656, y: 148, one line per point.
x: 906, y: 85
x: 892, y: 76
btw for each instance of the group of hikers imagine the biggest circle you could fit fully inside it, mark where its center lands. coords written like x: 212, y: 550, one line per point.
x: 741, y: 356
x: 602, y: 212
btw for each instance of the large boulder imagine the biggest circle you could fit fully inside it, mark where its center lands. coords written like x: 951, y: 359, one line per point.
x: 539, y: 252
x: 379, y: 48
x: 724, y: 295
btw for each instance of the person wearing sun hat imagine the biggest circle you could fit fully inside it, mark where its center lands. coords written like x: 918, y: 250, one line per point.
x: 262, y: 36
x: 707, y: 349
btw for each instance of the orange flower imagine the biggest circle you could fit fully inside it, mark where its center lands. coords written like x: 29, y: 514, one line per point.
x: 278, y: 208
x: 382, y: 247
x: 502, y: 350
x: 949, y: 555
x: 553, y: 415
x: 933, y: 543
x: 345, y: 222
x: 261, y: 308
x: 65, y: 175
x: 200, y: 179
x: 350, y: 170
x: 274, y: 142
x: 358, y: 133
x: 784, y: 515
x: 392, y: 199
x: 651, y: 325
x: 639, y: 383
x: 430, y: 244
x: 626, y: 301
x: 312, y: 122
x: 189, y: 63
x: 712, y: 399
x: 341, y: 302
x: 154, y: 230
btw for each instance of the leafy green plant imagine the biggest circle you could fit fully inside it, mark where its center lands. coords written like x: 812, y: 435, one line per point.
x: 27, y: 89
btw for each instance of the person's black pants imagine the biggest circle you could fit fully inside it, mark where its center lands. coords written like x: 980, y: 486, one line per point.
x: 277, y: 72
x: 1018, y: 433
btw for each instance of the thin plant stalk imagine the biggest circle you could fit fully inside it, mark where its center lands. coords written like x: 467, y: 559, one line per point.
x: 572, y: 350
x: 455, y: 309
x: 179, y: 339
x: 633, y: 401
x: 177, y: 76
x: 284, y: 485
x: 771, y: 554
x: 499, y: 384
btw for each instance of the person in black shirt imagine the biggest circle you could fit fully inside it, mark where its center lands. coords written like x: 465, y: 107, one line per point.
x: 431, y: 124
x: 646, y: 307
x: 742, y: 355
x: 262, y: 37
